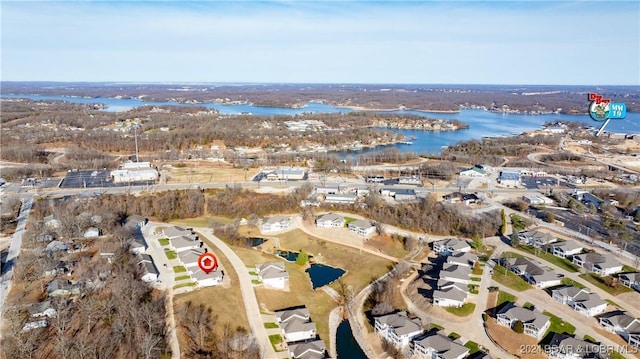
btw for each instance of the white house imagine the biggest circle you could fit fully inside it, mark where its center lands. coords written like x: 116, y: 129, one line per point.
x: 296, y: 324
x: 42, y: 309
x: 207, y: 279
x: 275, y: 224
x: 535, y: 323
x: 533, y: 273
x: 362, y: 228
x: 601, y: 264
x: 189, y: 258
x: 273, y: 275
x: 473, y: 172
x: 176, y: 231
x: 450, y: 295
x: 622, y: 324
x: 580, y: 299
x: 184, y: 243
x: 565, y: 249
x: 451, y: 246
x: 330, y: 220
x: 42, y: 323
x: 347, y: 198
x: 631, y: 280
x: 465, y: 259
x: 397, y: 328
x: 536, y: 238
x: 563, y: 346
x: 327, y: 190
x: 137, y: 245
x: 312, y: 349
x: 149, y: 272
x: 455, y: 273
x: 438, y: 346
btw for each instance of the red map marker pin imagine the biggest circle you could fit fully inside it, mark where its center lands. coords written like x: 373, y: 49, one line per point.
x: 207, y: 262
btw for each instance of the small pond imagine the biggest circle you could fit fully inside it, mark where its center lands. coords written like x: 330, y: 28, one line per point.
x: 254, y: 242
x: 346, y: 345
x: 322, y: 275
x: 288, y: 255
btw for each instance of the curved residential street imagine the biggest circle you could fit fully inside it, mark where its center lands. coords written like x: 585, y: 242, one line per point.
x: 248, y: 295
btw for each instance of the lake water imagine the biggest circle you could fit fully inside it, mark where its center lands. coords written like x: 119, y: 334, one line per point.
x: 322, y: 275
x: 346, y: 345
x: 481, y: 123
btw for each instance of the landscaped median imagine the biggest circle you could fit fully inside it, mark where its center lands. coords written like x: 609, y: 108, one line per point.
x: 171, y: 255
x: 163, y: 241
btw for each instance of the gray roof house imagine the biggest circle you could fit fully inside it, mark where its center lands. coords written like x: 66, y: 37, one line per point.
x: 563, y: 346
x: 42, y: 309
x: 601, y: 264
x: 176, y: 231
x: 56, y: 246
x: 535, y: 323
x: 149, y: 272
x: 273, y: 274
x: 622, y: 324
x: 565, y: 249
x: 296, y: 324
x: 330, y: 220
x: 631, y: 280
x: 184, y: 243
x: 450, y: 295
x: 533, y: 272
x: 466, y: 259
x: 451, y: 246
x: 580, y: 299
x: 275, y: 224
x: 362, y: 227
x: 397, y: 328
x: 60, y: 287
x: 313, y: 349
x: 455, y: 273
x: 536, y: 238
x: 436, y: 345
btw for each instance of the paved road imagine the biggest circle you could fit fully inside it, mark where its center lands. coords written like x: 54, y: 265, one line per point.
x: 14, y: 252
x: 248, y: 295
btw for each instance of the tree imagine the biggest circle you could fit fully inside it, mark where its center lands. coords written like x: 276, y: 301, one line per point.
x: 477, y: 242
x: 303, y: 258
x: 503, y: 229
x: 550, y: 217
x: 518, y: 327
x: 515, y: 239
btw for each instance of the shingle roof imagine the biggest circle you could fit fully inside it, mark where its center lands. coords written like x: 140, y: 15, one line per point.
x: 445, y: 347
x: 287, y: 314
x: 314, y: 349
x: 272, y: 270
x: 452, y: 293
x: 400, y: 323
x: 525, y: 315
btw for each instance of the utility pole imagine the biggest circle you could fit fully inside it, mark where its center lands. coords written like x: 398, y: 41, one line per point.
x: 135, y: 130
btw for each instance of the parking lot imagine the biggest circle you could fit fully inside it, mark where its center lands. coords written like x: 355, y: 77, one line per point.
x: 86, y: 179
x: 545, y: 182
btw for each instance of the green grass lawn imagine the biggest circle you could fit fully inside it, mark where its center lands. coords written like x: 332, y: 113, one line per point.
x: 182, y: 277
x: 275, y: 339
x: 253, y: 273
x: 599, y: 282
x: 179, y: 269
x: 436, y: 326
x: 510, y: 279
x: 190, y: 284
x: 454, y: 335
x: 475, y: 279
x: 613, y: 303
x: 558, y: 325
x: 164, y: 241
x: 626, y: 269
x: 473, y: 347
x: 511, y: 255
x: 473, y: 289
x: 348, y: 220
x: 270, y: 325
x: 171, y: 254
x: 528, y: 305
x: 589, y: 339
x: 615, y: 355
x: 571, y: 282
x: 504, y: 297
x: 256, y: 282
x: 560, y: 262
x: 465, y: 310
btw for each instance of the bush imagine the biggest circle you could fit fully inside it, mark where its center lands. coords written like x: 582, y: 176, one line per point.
x: 302, y: 259
x: 518, y: 327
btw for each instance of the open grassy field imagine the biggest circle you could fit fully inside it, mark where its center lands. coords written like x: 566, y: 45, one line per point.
x: 510, y: 279
x: 558, y: 325
x: 204, y: 171
x: 465, y: 310
x: 505, y: 297
x: 301, y: 292
x: 387, y: 245
x: 599, y: 282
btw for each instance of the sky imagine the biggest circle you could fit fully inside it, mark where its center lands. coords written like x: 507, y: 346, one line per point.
x: 425, y: 42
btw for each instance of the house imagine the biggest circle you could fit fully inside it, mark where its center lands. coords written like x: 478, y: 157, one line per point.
x: 455, y: 273
x: 273, y: 275
x: 473, y: 172
x: 622, y: 324
x: 184, y: 243
x: 275, y: 224
x: 580, y: 299
x: 437, y: 346
x: 42, y: 309
x: 312, y: 349
x: 465, y: 259
x: 61, y: 287
x: 631, y: 280
x: 296, y: 324
x: 51, y: 221
x: 451, y: 246
x: 532, y: 272
x: 148, y: 271
x: 42, y: 323
x: 565, y: 249
x: 535, y: 323
x: 450, y: 295
x: 92, y: 232
x: 601, y: 264
x: 137, y: 245
x: 55, y: 247
x: 189, y: 258
x: 348, y: 198
x: 459, y: 197
x: 330, y: 220
x: 397, y: 328
x: 362, y: 227
x: 536, y: 238
x: 399, y: 194
x: 176, y: 231
x: 135, y: 221
x: 563, y: 346
x: 509, y: 178
x: 53, y: 267
x: 207, y: 279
